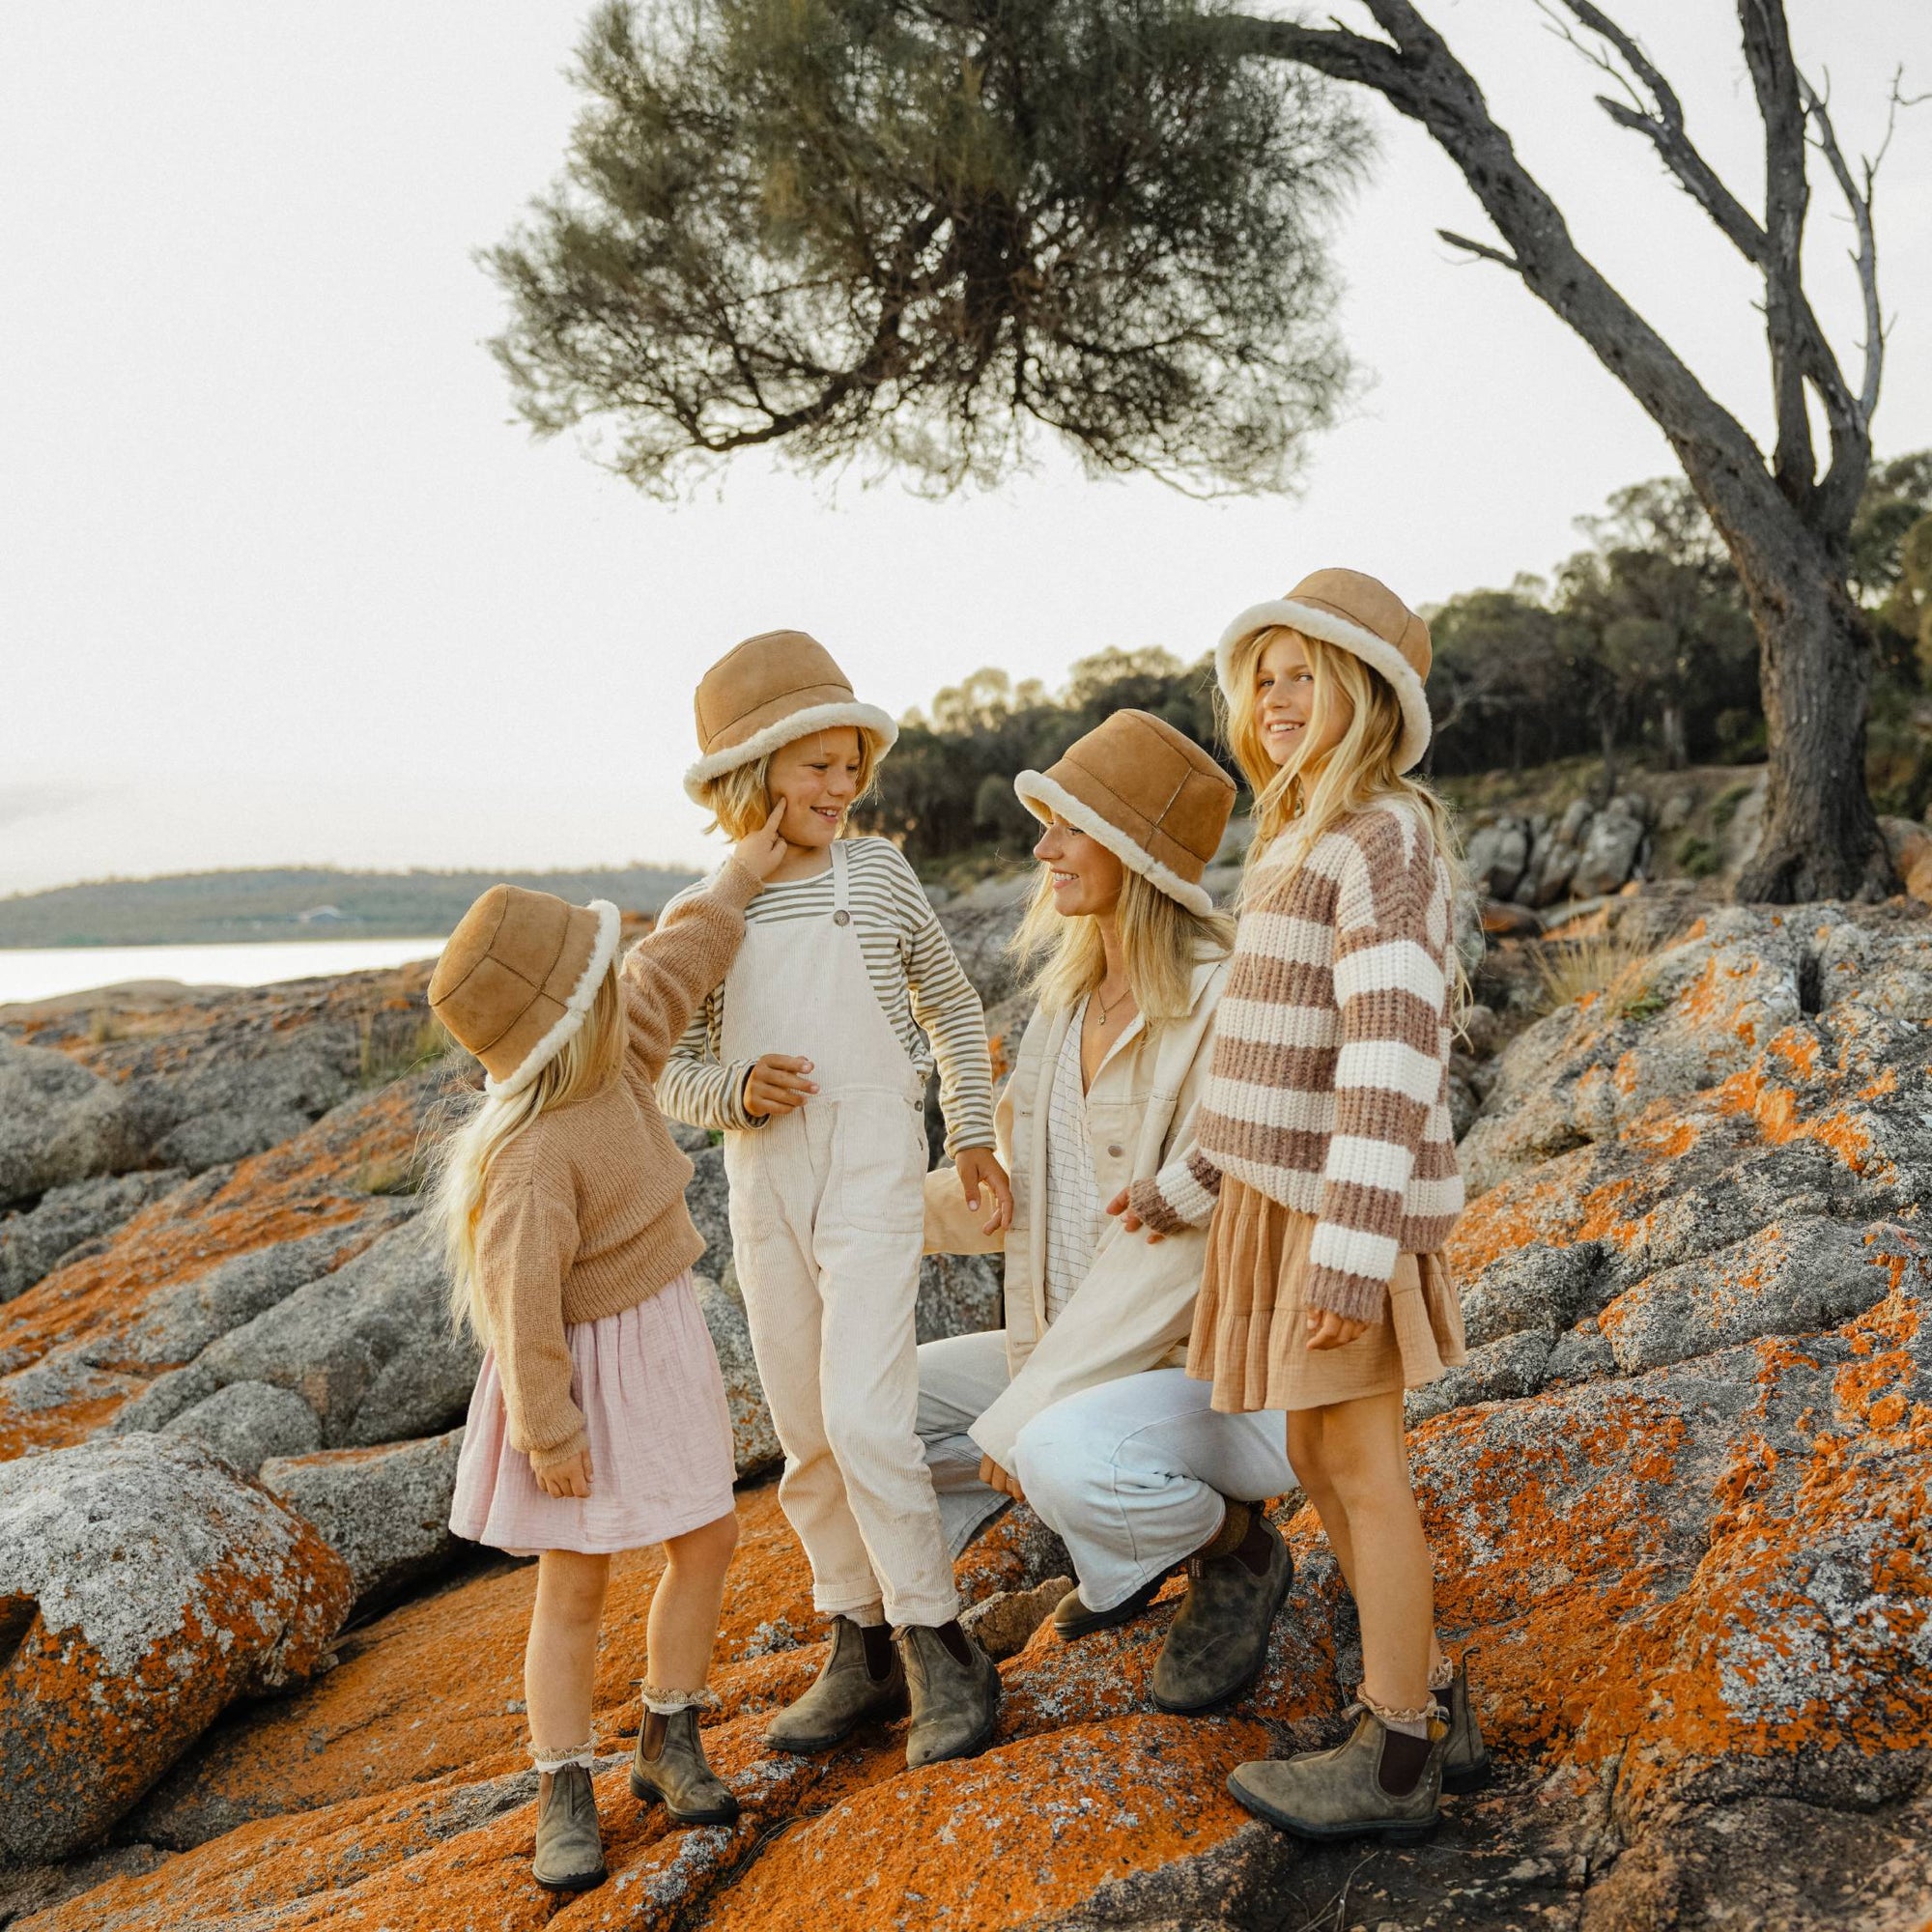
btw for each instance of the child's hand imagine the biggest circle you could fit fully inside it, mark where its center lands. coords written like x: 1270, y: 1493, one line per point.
x: 777, y: 1084
x: 996, y: 1478
x: 759, y: 852
x: 1131, y: 1223
x: 980, y: 1172
x: 1328, y: 1330
x: 566, y: 1479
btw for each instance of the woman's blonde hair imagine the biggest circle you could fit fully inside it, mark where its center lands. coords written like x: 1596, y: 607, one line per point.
x: 1356, y: 772
x: 740, y: 800
x: 459, y: 1169
x: 1063, y: 959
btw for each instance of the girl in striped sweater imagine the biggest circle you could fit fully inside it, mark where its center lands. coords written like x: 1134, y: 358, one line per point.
x: 812, y: 1059
x: 1324, y: 1156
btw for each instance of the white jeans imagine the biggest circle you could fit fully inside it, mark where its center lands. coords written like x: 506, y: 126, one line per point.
x: 1131, y: 1474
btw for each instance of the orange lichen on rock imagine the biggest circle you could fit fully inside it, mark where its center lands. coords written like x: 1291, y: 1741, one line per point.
x: 1041, y: 1827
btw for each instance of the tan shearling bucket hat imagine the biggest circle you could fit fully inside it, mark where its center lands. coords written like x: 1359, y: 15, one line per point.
x: 1361, y: 615
x: 1149, y: 793
x: 765, y: 693
x: 518, y: 976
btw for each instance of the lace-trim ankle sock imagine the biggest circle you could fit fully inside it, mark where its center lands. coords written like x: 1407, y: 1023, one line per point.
x: 551, y: 1762
x: 872, y: 1616
x: 1442, y: 1676
x: 1408, y: 1723
x: 668, y: 1703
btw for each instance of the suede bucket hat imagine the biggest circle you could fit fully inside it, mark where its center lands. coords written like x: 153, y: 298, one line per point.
x: 1361, y: 615
x: 1149, y: 793
x: 518, y: 976
x: 766, y: 691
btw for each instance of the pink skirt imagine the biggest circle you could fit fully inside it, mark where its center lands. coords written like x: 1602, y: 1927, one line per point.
x: 646, y: 1379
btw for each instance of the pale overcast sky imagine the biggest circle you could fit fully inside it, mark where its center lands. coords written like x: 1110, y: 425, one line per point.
x: 282, y: 582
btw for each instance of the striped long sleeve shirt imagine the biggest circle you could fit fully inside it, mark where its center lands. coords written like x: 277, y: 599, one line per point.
x: 1328, y: 1091
x: 921, y: 986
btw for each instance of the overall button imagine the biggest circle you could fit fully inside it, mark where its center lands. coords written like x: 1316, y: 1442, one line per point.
x: 1114, y: 1153
x: 842, y: 917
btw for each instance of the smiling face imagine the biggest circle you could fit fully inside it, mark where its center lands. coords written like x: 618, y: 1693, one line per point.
x: 1084, y: 875
x: 817, y: 779
x: 1286, y: 707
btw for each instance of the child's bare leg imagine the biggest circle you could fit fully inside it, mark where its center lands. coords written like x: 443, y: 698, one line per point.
x: 684, y: 1608
x: 560, y: 1661
x: 1364, y: 1466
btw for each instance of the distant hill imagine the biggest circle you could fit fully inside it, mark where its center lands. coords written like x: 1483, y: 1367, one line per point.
x: 293, y: 903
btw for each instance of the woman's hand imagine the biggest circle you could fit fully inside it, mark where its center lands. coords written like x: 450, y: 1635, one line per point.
x: 777, y: 1085
x: 1328, y: 1330
x: 996, y: 1478
x: 981, y: 1172
x: 761, y: 852
x: 1131, y: 1223
x: 566, y: 1479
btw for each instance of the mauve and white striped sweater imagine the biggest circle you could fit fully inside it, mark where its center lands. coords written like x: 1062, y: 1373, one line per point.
x: 1328, y: 1089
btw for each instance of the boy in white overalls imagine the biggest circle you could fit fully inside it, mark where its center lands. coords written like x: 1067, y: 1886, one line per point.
x: 812, y: 1059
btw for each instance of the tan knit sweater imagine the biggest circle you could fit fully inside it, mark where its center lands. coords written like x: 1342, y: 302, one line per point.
x: 584, y: 1212
x: 1330, y: 1089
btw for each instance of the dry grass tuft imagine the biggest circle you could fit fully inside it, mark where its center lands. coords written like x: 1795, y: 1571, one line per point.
x: 1610, y: 966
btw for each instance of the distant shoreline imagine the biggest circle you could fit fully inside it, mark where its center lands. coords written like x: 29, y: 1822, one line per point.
x: 296, y: 904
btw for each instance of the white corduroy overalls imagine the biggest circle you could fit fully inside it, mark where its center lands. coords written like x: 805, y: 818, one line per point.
x: 827, y: 1212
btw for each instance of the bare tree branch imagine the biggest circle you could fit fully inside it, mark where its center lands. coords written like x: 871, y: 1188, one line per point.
x: 1664, y: 127
x: 1481, y: 249
x: 1858, y: 200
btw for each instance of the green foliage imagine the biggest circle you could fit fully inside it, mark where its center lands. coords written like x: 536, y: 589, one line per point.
x: 911, y: 230
x: 1698, y: 858
x: 947, y: 791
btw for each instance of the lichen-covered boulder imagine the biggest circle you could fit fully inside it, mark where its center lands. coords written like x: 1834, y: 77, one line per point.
x: 384, y: 1511
x: 144, y: 1586
x: 58, y: 1123
x: 66, y: 1219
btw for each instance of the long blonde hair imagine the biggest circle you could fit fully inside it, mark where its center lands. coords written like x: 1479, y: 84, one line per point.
x: 1063, y: 959
x: 460, y: 1167
x: 1358, y: 772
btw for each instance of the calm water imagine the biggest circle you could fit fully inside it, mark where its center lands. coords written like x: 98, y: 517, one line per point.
x: 30, y: 974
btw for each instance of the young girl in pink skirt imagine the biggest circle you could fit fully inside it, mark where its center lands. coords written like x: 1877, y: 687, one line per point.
x: 599, y: 1421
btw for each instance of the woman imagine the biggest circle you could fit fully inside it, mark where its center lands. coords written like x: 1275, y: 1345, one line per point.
x: 1080, y: 1404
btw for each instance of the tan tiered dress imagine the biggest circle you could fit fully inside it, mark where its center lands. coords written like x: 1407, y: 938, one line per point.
x: 1250, y: 1334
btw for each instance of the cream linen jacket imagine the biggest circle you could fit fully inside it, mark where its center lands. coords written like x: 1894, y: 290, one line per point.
x: 1135, y: 1307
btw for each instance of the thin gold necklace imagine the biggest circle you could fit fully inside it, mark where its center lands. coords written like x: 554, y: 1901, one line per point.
x: 1106, y: 1011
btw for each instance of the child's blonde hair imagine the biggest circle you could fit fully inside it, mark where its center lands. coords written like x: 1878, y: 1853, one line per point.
x: 460, y: 1170
x: 740, y: 800
x: 1064, y: 958
x: 1356, y: 772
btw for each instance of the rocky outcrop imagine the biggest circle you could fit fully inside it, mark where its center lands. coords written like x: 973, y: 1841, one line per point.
x: 143, y: 1588
x: 1678, y: 1498
x: 59, y: 1123
x: 384, y: 1511
x: 66, y: 1221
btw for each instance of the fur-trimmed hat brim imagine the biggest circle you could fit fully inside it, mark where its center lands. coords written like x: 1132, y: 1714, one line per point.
x: 569, y: 1022
x: 1048, y: 800
x: 1377, y: 653
x: 787, y: 730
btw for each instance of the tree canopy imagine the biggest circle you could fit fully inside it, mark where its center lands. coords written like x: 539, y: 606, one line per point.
x: 909, y: 231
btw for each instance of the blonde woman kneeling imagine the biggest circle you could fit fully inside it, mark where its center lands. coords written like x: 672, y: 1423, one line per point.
x: 1080, y: 1404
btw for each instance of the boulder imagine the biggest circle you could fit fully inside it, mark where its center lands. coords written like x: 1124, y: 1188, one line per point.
x: 384, y: 1511
x: 1610, y: 849
x: 367, y: 1347
x: 246, y: 1423
x: 67, y: 1219
x: 144, y: 1586
x: 59, y: 1123
x: 1497, y: 855
x: 959, y: 1295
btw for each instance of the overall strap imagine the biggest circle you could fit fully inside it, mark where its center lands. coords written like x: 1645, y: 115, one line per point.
x: 841, y: 909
